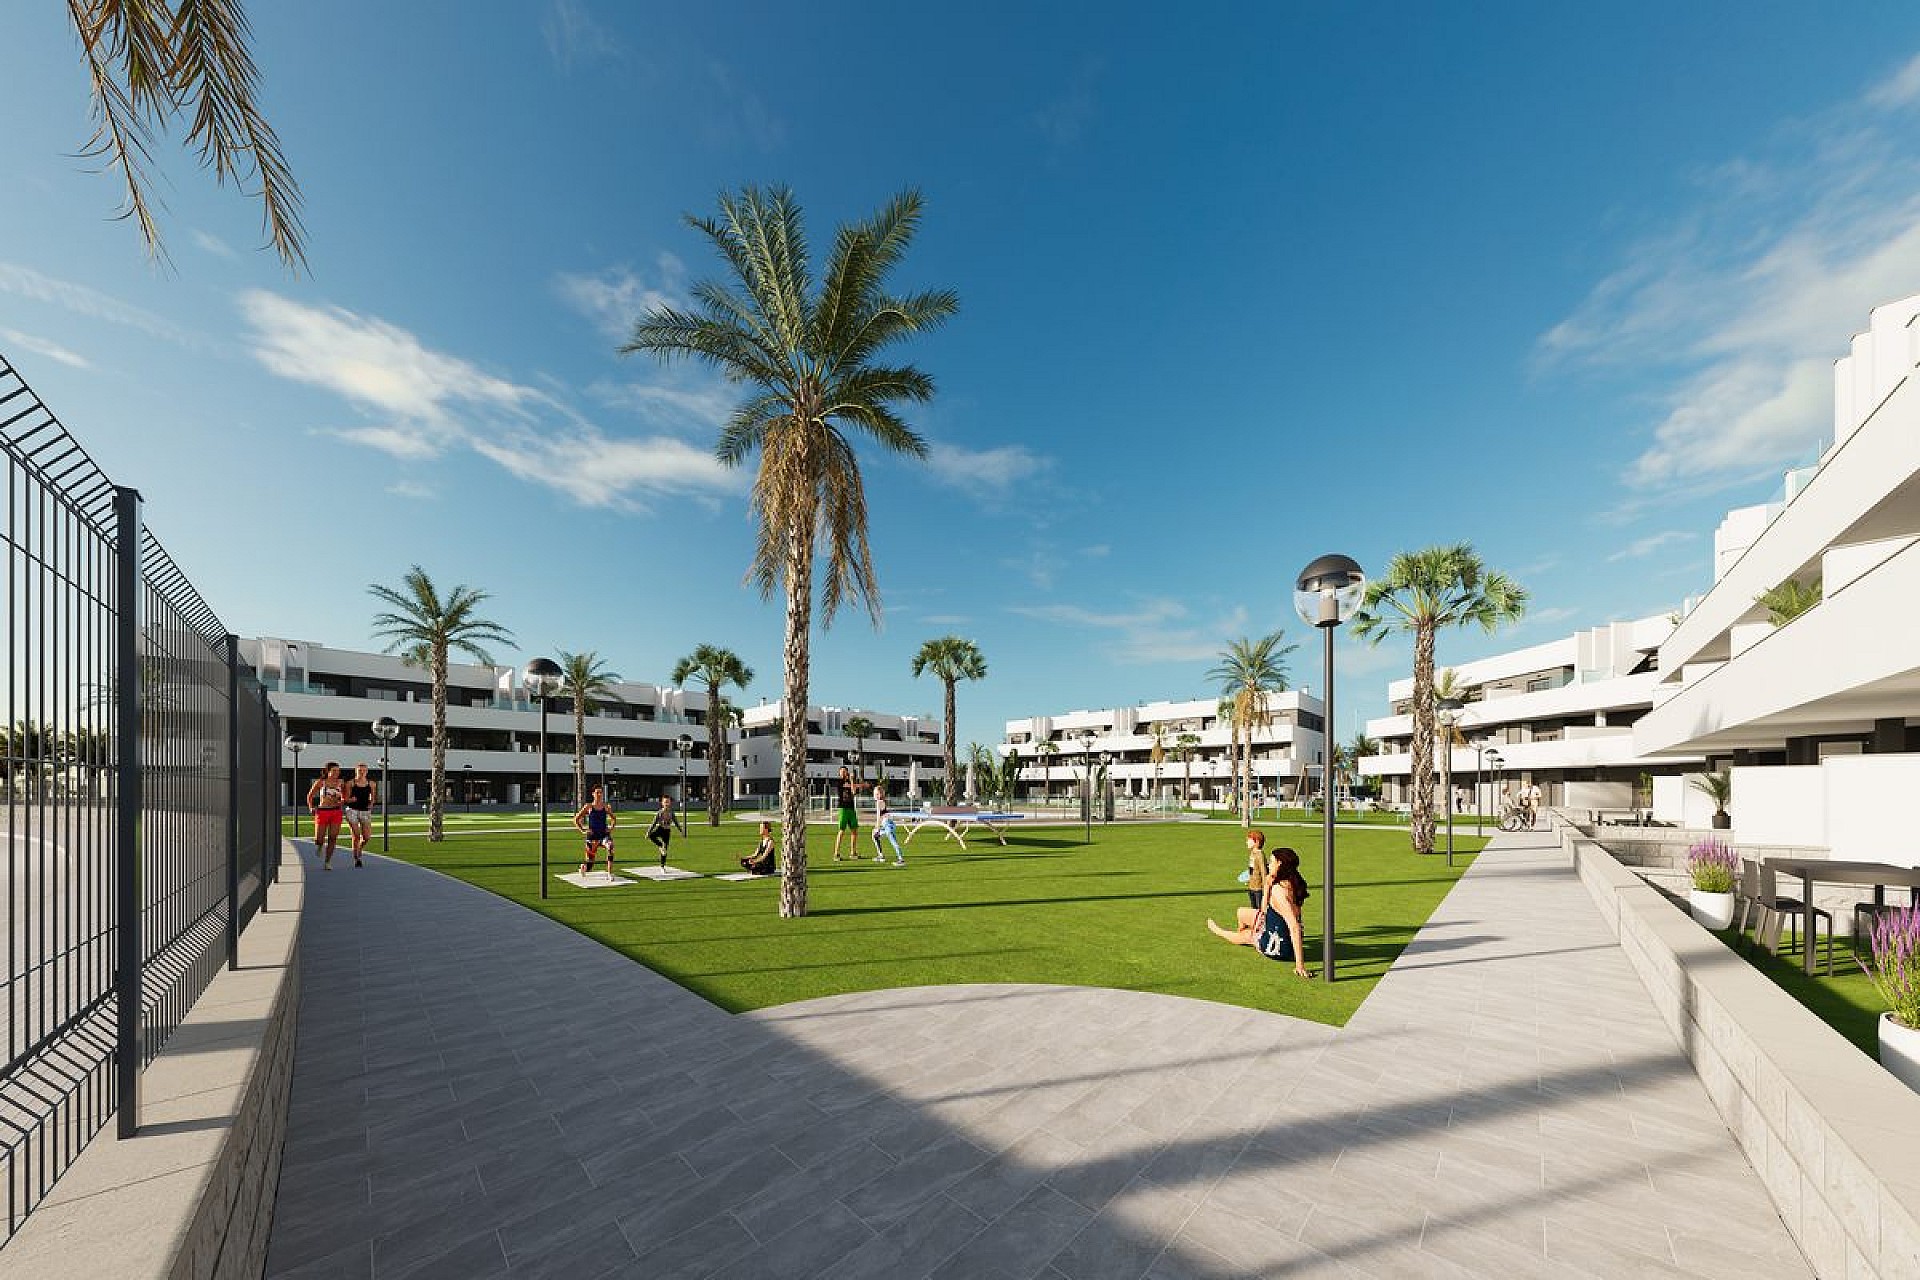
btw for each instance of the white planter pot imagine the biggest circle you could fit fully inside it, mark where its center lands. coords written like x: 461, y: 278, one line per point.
x: 1714, y: 910
x: 1900, y: 1051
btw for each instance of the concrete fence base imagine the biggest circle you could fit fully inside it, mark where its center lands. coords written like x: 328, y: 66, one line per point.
x: 1834, y: 1137
x: 191, y: 1197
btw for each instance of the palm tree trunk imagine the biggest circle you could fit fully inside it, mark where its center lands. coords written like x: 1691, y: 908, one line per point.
x: 437, y: 755
x: 713, y: 753
x: 579, y: 750
x: 952, y: 792
x: 793, y: 716
x: 1422, y: 798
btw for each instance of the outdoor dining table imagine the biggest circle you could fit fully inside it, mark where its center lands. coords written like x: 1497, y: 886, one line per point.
x: 1828, y: 871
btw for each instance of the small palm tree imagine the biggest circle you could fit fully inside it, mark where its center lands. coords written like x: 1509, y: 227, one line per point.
x: 1421, y: 592
x: 811, y: 358
x: 584, y: 678
x: 1157, y: 754
x: 1184, y: 745
x: 1717, y: 786
x: 858, y: 727
x: 424, y: 627
x: 1248, y: 671
x: 152, y: 63
x: 716, y: 668
x: 1788, y: 601
x: 1046, y: 750
x: 952, y: 659
x: 1359, y: 749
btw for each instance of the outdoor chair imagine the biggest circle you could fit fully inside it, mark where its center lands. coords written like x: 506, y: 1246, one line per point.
x: 1864, y: 916
x: 1778, y: 911
x: 1748, y: 910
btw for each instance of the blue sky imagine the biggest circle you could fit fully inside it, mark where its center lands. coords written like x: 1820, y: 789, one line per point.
x: 1239, y: 287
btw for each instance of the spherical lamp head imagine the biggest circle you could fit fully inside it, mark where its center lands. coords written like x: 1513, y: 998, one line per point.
x: 1329, y: 591
x: 386, y: 728
x: 543, y: 677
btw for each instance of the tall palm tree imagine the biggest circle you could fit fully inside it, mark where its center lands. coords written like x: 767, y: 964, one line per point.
x: 1248, y: 671
x: 1421, y: 592
x: 857, y: 728
x: 1184, y: 745
x: 1157, y: 754
x: 151, y: 61
x: 424, y: 627
x: 1046, y: 750
x: 810, y: 357
x: 1361, y: 747
x: 952, y: 659
x: 716, y: 668
x: 584, y: 678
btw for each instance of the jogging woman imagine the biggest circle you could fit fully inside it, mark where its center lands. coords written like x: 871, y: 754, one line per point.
x: 327, y: 802
x: 362, y: 791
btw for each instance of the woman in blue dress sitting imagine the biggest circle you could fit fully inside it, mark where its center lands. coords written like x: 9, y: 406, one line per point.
x: 1274, y: 930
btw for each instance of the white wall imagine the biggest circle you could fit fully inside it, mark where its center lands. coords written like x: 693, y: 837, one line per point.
x: 1780, y: 804
x: 1866, y: 797
x: 1599, y: 795
x: 1677, y: 801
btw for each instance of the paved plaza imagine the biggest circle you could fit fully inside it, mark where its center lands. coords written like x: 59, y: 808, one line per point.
x: 482, y: 1092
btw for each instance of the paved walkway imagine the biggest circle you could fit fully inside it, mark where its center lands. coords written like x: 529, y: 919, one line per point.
x: 480, y: 1092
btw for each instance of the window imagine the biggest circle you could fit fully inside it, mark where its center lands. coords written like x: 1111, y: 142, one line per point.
x: 1541, y: 684
x: 384, y: 695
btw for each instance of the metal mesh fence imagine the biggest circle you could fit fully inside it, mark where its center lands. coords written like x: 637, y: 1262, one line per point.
x: 110, y: 696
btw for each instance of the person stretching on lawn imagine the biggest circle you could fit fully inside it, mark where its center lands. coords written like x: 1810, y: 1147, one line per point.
x: 661, y: 832
x: 595, y: 821
x: 849, y: 816
x: 883, y: 826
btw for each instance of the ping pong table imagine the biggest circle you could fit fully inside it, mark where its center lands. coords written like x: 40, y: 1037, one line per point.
x: 956, y: 821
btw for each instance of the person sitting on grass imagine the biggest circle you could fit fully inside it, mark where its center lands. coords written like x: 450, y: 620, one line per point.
x: 1274, y: 931
x: 595, y: 821
x: 761, y: 861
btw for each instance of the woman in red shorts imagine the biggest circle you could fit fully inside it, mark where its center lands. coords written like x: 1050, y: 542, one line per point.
x: 327, y: 802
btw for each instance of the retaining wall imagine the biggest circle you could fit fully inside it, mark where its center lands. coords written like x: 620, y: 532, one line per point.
x: 1835, y: 1138
x: 191, y: 1197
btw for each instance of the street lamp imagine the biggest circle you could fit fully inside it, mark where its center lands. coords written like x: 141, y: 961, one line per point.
x: 1326, y: 594
x: 1496, y: 762
x: 543, y: 677
x: 386, y: 728
x: 684, y: 744
x: 1447, y: 712
x: 466, y: 787
x: 296, y: 746
x: 1106, y: 783
x: 1086, y: 787
x: 603, y: 753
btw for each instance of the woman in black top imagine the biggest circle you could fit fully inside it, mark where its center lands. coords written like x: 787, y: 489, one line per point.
x: 361, y: 794
x: 661, y: 832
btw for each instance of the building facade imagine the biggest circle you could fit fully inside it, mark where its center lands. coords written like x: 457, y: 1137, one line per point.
x: 1288, y: 750
x: 1816, y: 714
x: 903, y: 749
x: 1560, y: 715
x: 330, y: 697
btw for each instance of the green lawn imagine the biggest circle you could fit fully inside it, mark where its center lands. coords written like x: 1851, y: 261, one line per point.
x: 1128, y: 911
x: 1847, y: 1001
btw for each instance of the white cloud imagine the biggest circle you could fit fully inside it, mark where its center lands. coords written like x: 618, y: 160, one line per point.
x: 1648, y: 545
x: 42, y: 347
x: 613, y: 299
x: 1742, y: 305
x: 25, y: 282
x: 944, y: 619
x: 574, y: 35
x: 990, y: 475
x: 210, y: 243
x: 1153, y: 630
x: 430, y: 403
x: 413, y: 489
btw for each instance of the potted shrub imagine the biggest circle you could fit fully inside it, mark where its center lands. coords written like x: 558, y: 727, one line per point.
x: 1895, y: 970
x: 1717, y: 787
x: 1715, y: 869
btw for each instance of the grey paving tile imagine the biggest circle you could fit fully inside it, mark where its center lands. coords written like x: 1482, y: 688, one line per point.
x: 912, y: 1246
x: 1021, y: 1241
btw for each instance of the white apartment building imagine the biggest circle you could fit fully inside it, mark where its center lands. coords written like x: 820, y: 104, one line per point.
x: 1559, y: 714
x: 1288, y: 750
x: 904, y: 749
x: 330, y: 697
x: 1816, y: 717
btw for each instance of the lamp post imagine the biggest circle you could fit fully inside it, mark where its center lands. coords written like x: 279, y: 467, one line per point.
x: 603, y: 753
x: 386, y: 728
x: 1495, y: 761
x: 1106, y: 783
x: 296, y: 746
x: 1086, y: 787
x: 466, y: 787
x: 1447, y: 711
x: 543, y: 676
x: 1326, y: 594
x: 684, y: 744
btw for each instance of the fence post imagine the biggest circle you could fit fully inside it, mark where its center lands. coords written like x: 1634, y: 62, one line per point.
x: 269, y: 795
x: 233, y: 805
x: 128, y: 987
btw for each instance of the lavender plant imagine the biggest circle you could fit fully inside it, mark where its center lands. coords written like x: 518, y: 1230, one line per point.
x: 1894, y: 951
x: 1714, y: 866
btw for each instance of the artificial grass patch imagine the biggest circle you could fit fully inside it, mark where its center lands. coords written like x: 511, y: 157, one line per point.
x: 1127, y: 911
